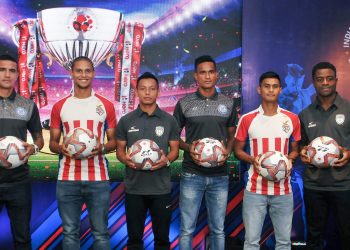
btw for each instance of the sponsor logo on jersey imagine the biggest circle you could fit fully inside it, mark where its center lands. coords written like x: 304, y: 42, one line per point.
x: 285, y: 127
x: 159, y: 130
x: 339, y: 119
x: 222, y: 109
x: 21, y: 112
x: 311, y: 125
x: 133, y: 129
x: 99, y: 109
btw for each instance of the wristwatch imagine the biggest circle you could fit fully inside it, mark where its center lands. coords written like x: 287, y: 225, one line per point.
x: 168, y: 163
x: 36, y: 149
x: 103, y: 150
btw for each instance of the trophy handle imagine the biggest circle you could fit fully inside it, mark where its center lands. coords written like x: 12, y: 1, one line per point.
x: 50, y: 58
x: 15, y: 35
x: 108, y: 59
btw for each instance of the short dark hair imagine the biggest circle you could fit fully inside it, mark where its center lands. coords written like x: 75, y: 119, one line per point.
x: 269, y: 74
x: 82, y: 58
x: 323, y: 65
x: 202, y: 59
x: 6, y: 57
x: 147, y: 75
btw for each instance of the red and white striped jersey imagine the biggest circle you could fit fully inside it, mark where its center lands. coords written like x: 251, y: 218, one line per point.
x: 268, y: 133
x: 95, y: 113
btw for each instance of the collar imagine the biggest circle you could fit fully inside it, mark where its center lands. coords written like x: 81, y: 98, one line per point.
x: 92, y: 93
x: 156, y: 112
x: 213, y: 97
x: 338, y: 101
x: 10, y: 97
x: 261, y: 111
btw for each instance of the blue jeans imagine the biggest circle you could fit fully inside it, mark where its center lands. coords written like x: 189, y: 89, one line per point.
x: 71, y: 195
x: 254, y: 212
x: 192, y: 189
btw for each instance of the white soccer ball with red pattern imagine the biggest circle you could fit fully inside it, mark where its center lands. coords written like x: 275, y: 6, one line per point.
x: 210, y: 151
x: 80, y: 142
x: 144, y: 153
x: 11, y: 152
x: 273, y: 165
x: 323, y: 151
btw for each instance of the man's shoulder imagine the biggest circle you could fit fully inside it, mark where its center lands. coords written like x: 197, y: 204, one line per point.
x: 104, y: 99
x: 24, y: 101
x: 62, y: 101
x: 188, y: 97
x: 129, y: 116
x: 288, y: 113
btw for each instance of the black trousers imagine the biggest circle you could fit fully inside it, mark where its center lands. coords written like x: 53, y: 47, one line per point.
x: 18, y: 203
x: 136, y: 207
x: 318, y: 206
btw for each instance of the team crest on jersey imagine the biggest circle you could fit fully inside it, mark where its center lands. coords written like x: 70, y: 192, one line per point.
x: 222, y: 109
x: 159, y: 130
x: 285, y: 126
x: 21, y: 112
x: 99, y: 110
x: 339, y: 119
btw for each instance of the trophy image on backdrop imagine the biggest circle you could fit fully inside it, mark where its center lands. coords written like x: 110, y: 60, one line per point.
x: 70, y: 32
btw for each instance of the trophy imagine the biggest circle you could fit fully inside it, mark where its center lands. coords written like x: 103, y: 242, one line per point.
x: 67, y: 33
x: 72, y: 32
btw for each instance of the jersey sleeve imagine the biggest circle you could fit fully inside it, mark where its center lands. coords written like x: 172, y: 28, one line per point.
x: 242, y: 129
x: 111, y: 119
x: 55, y: 120
x: 34, y: 124
x: 297, y: 129
x: 121, y: 130
x: 174, y: 131
x: 179, y: 116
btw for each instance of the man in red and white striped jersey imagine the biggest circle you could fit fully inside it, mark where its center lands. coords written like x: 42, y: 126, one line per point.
x: 268, y: 128
x: 83, y: 180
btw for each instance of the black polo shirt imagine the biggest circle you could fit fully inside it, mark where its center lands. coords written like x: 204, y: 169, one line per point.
x: 159, y: 127
x: 17, y: 115
x: 335, y: 123
x: 205, y: 117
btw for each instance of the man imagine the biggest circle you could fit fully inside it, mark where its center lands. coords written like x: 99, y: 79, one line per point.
x: 83, y: 180
x: 148, y: 189
x: 205, y: 113
x: 268, y: 128
x: 326, y: 189
x: 17, y: 116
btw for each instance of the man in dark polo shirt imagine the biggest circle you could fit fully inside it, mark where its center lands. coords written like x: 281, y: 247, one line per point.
x: 205, y: 113
x: 17, y: 115
x: 148, y: 189
x: 326, y: 189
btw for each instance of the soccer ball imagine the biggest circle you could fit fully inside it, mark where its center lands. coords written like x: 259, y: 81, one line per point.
x: 323, y: 151
x: 11, y: 152
x: 80, y: 143
x: 144, y: 153
x: 273, y: 165
x: 210, y: 152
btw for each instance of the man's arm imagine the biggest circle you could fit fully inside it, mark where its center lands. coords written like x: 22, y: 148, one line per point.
x: 54, y: 144
x: 123, y: 156
x: 108, y: 147
x: 229, y: 145
x: 242, y: 155
x: 170, y: 157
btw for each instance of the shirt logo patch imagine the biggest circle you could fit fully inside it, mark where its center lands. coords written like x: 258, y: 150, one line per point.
x: 339, y: 119
x: 285, y: 127
x: 222, y: 109
x: 21, y: 112
x: 99, y: 110
x: 311, y: 125
x: 159, y: 130
x: 133, y: 129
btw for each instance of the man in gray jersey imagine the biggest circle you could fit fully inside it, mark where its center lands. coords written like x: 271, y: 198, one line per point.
x: 17, y: 116
x: 326, y: 189
x: 205, y: 113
